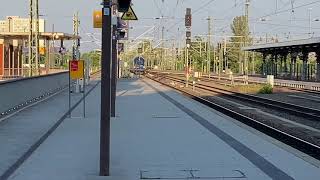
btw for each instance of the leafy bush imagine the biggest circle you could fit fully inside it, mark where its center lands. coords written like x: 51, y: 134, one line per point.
x: 266, y: 89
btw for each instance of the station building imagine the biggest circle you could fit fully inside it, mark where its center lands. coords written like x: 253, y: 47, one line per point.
x: 13, y: 44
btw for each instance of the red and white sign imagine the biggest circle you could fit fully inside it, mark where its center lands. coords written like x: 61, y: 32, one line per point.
x: 74, y: 65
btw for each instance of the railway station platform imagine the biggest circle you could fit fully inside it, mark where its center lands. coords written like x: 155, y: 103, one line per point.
x: 278, y: 82
x: 292, y: 83
x: 160, y: 134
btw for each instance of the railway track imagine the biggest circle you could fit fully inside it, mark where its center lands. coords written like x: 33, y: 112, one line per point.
x: 306, y: 91
x: 225, y: 81
x: 308, y: 113
x: 283, y: 136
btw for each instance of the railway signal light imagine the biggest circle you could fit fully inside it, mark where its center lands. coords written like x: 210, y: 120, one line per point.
x: 188, y: 34
x: 177, y: 53
x: 188, y: 22
x: 122, y: 34
x: 123, y: 5
x: 188, y: 42
x: 188, y: 18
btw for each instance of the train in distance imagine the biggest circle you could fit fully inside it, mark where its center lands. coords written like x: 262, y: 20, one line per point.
x: 138, y: 65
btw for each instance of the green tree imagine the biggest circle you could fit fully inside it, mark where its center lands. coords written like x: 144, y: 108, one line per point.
x: 241, y: 33
x: 240, y: 30
x: 198, y: 53
x: 94, y: 57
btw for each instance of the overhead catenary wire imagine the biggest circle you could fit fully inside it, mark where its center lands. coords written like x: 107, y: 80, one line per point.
x: 193, y: 13
x: 290, y: 9
x: 282, y: 7
x: 283, y: 25
x: 159, y: 9
x: 278, y: 12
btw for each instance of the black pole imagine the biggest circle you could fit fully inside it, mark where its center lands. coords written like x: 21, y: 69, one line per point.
x: 105, y: 90
x: 114, y: 72
x: 69, y: 89
x: 84, y: 90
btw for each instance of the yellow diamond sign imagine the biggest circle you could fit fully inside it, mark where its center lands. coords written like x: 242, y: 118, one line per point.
x: 129, y: 15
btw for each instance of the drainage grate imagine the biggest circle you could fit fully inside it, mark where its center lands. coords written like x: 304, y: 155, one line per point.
x: 193, y: 174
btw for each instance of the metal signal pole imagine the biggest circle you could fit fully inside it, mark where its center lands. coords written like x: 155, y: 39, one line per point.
x: 114, y: 71
x: 75, y: 47
x: 37, y: 55
x: 30, y: 43
x: 162, y: 48
x: 105, y: 90
x: 33, y: 36
x: 209, y: 47
x: 246, y: 68
x: 188, y: 24
x: 225, y: 59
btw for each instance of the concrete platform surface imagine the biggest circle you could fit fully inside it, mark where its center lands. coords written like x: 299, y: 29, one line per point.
x: 21, y: 130
x: 159, y: 134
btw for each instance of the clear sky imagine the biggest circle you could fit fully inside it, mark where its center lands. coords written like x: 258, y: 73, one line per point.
x: 60, y: 13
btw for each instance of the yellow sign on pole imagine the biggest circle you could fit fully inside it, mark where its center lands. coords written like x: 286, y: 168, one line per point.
x: 129, y: 15
x: 97, y: 19
x: 76, y: 69
x: 42, y: 50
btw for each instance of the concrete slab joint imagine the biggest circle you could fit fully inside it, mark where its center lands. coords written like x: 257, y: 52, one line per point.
x: 193, y: 174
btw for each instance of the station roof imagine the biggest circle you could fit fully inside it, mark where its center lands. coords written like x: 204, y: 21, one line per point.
x: 312, y: 42
x: 43, y: 35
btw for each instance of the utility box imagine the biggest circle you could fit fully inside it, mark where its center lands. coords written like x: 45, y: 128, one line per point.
x: 270, y: 80
x: 197, y: 74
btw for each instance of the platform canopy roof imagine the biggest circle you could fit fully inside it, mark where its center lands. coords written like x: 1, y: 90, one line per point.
x: 296, y: 44
x: 43, y: 35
